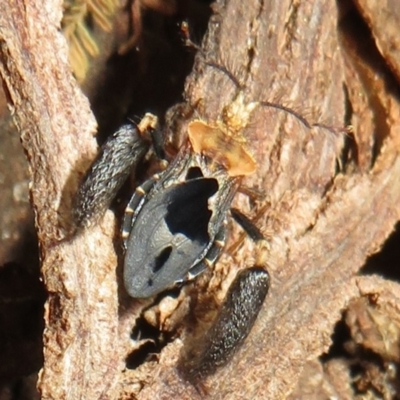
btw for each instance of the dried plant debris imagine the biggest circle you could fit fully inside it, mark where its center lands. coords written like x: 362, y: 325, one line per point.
x: 374, y: 328
x: 374, y: 346
x: 78, y: 22
x: 84, y: 21
x: 363, y: 362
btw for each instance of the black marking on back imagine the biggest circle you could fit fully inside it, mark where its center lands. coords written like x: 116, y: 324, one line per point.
x: 188, y: 211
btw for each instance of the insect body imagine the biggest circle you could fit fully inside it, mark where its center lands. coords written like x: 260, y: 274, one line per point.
x: 176, y: 228
x: 174, y: 225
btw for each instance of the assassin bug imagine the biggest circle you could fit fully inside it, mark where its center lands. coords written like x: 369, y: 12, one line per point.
x: 174, y: 225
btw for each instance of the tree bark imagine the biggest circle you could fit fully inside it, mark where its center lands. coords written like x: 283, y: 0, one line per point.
x: 329, y: 199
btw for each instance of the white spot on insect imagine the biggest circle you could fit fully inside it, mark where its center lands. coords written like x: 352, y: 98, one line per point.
x: 219, y: 243
x: 140, y: 190
x: 208, y: 262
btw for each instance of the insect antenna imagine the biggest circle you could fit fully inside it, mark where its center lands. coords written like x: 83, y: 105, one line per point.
x: 226, y: 71
x: 289, y: 111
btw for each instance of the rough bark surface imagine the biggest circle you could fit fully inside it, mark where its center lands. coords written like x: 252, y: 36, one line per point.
x: 57, y: 129
x: 329, y: 200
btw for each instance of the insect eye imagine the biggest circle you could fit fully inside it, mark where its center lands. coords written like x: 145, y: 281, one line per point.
x: 162, y: 258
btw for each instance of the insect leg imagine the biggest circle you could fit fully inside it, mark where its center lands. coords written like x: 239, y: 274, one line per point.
x: 247, y: 225
x: 118, y: 155
x: 231, y: 327
x: 254, y: 233
x: 235, y: 318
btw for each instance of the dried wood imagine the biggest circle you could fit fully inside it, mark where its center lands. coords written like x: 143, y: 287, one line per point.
x: 329, y: 201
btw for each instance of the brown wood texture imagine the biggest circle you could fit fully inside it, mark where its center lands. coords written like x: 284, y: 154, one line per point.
x: 57, y: 129
x: 328, y: 199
